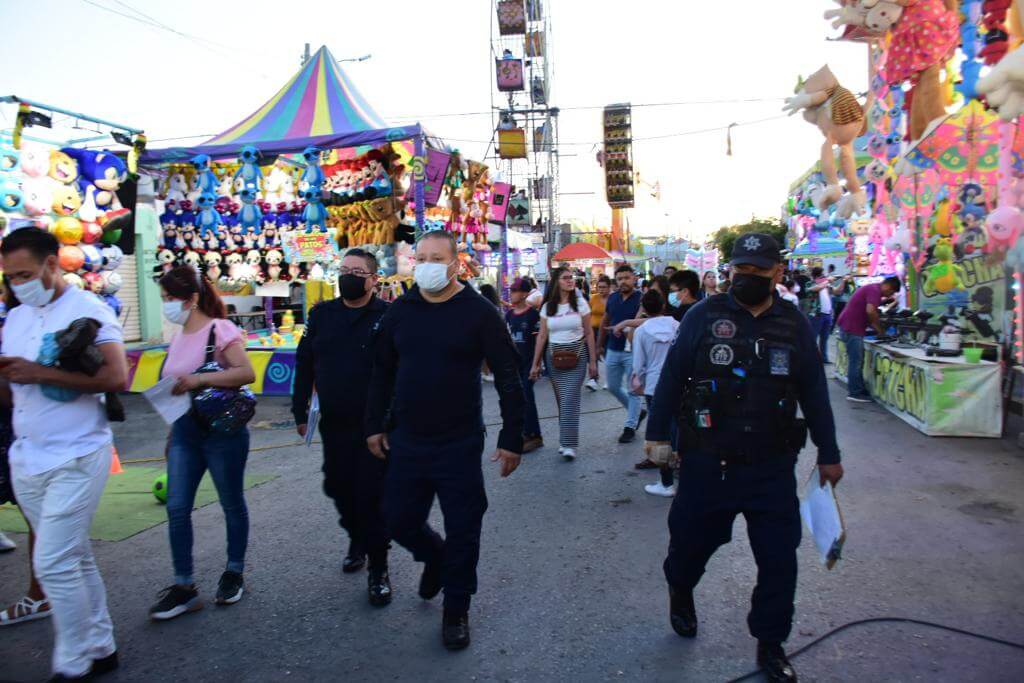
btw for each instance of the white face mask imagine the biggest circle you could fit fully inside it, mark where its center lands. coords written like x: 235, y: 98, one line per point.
x: 175, y: 313
x: 33, y: 293
x: 432, y: 277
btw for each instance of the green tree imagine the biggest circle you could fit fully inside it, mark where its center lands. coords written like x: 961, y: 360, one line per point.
x: 726, y: 236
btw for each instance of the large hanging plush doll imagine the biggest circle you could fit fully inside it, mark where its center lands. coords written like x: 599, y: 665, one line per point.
x: 920, y: 43
x: 840, y: 118
x: 100, y: 176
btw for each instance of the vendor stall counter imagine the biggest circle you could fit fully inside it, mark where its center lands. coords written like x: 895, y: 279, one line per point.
x: 939, y: 396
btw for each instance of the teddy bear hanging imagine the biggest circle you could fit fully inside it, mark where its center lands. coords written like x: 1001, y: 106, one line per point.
x: 840, y: 118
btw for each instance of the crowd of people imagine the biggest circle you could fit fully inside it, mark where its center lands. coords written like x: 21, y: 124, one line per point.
x: 717, y: 365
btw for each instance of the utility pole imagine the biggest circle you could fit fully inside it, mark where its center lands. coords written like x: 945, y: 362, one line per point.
x: 306, y: 55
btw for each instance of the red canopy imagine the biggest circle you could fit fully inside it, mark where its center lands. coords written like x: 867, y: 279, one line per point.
x: 580, y: 251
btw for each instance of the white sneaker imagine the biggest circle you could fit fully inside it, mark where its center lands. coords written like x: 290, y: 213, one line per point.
x: 488, y: 378
x: 568, y: 454
x: 6, y: 544
x: 859, y: 399
x: 659, y: 489
x: 591, y: 384
x: 605, y: 386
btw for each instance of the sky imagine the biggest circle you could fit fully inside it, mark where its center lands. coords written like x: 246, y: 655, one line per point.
x: 217, y: 62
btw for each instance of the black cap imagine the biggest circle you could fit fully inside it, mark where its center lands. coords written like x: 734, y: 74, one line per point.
x: 756, y: 249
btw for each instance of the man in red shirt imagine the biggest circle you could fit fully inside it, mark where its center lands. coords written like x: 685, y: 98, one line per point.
x: 860, y: 313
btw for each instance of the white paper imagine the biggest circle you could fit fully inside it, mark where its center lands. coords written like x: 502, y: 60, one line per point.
x: 314, y: 418
x: 821, y: 514
x: 169, y: 406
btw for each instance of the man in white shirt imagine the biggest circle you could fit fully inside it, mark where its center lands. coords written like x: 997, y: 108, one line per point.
x: 60, y: 458
x: 821, y: 319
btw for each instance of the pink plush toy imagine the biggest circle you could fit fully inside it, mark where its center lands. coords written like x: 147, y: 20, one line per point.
x: 1004, y: 226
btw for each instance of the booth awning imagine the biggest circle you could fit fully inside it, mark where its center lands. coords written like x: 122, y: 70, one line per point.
x: 318, y: 106
x: 582, y: 251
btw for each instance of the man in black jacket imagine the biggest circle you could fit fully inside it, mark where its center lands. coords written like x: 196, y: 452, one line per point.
x: 335, y: 355
x: 425, y: 416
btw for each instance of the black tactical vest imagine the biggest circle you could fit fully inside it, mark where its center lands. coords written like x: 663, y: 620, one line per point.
x: 741, y: 400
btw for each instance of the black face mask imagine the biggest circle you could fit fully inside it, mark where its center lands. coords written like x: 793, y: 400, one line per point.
x: 751, y: 289
x: 352, y: 287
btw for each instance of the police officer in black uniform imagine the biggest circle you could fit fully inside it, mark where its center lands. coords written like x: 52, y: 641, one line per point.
x: 740, y: 365
x: 336, y: 356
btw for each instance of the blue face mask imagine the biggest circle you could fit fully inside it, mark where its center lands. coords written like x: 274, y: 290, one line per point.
x: 673, y: 299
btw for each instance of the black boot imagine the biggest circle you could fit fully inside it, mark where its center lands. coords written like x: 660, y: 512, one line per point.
x: 430, y: 581
x: 774, y: 663
x: 355, y: 559
x: 455, y: 630
x: 104, y: 665
x: 379, y: 586
x: 682, y: 612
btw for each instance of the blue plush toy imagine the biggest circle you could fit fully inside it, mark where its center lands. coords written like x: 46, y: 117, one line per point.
x: 207, y: 178
x: 100, y: 174
x: 313, y: 176
x: 208, y: 221
x: 250, y: 215
x: 250, y: 172
x: 315, y: 214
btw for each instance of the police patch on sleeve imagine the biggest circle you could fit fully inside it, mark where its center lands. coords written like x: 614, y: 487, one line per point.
x: 723, y: 329
x: 778, y: 362
x: 721, y: 354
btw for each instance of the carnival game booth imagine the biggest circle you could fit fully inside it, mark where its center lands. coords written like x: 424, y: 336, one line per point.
x: 586, y: 256
x: 51, y: 179
x: 274, y: 200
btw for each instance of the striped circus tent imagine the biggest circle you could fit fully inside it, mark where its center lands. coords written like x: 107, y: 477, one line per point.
x: 319, y: 106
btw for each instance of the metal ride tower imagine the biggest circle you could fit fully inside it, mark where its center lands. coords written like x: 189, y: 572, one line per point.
x: 524, y: 146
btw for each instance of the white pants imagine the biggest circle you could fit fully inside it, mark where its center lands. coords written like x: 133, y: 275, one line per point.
x: 60, y: 505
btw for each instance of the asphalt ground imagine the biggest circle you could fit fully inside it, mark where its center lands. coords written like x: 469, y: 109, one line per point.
x: 571, y: 586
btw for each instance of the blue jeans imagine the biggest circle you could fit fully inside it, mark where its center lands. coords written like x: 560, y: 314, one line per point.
x: 855, y: 368
x: 192, y: 452
x: 822, y: 326
x: 531, y: 422
x: 619, y: 366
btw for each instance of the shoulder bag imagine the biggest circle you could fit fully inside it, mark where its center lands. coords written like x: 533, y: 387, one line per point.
x: 220, y: 410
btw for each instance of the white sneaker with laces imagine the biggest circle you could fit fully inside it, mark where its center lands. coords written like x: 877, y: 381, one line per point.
x: 659, y: 489
x: 591, y: 384
x: 6, y: 544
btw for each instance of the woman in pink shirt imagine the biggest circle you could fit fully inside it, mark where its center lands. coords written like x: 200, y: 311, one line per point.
x: 191, y: 301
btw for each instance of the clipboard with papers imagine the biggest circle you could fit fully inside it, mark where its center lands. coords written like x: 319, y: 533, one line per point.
x: 820, y: 512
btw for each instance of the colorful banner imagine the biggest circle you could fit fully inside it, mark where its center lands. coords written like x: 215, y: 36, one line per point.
x: 302, y: 247
x: 275, y: 370
x: 979, y: 306
x: 937, y: 398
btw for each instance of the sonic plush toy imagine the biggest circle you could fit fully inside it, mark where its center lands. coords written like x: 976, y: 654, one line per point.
x: 249, y: 216
x: 250, y: 172
x: 313, y: 176
x: 208, y: 221
x: 100, y: 174
x: 315, y: 214
x: 207, y: 178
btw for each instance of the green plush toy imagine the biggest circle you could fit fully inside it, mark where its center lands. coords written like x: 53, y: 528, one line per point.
x: 943, y: 275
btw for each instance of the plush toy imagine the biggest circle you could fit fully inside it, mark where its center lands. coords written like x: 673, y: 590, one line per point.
x: 1004, y: 226
x: 313, y: 175
x: 920, y: 43
x: 274, y: 258
x: 876, y: 16
x: 11, y: 197
x: 250, y: 173
x: 91, y: 233
x: 205, y: 179
x: 100, y: 175
x: 1003, y: 87
x: 233, y: 263
x: 63, y: 168
x: 250, y: 215
x: 37, y: 196
x: 273, y: 185
x: 66, y: 200
x: 314, y: 215
x: 208, y: 220
x: 381, y: 183
x: 226, y: 189
x: 212, y: 261
x: 35, y: 160
x: 944, y: 275
x: 840, y: 118
x: 177, y: 186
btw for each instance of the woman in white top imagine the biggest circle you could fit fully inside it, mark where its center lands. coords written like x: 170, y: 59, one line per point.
x: 565, y: 330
